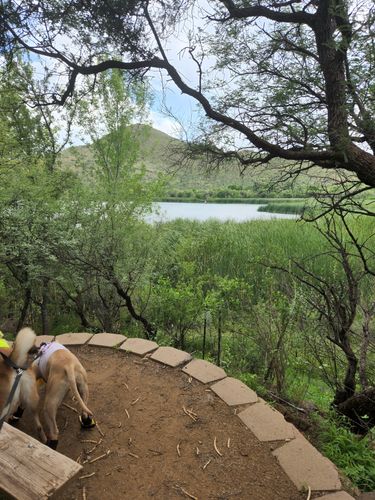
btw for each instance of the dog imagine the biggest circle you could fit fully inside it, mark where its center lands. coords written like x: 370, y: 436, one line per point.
x: 61, y: 370
x: 26, y: 394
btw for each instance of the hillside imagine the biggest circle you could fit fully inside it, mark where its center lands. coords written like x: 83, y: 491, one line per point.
x: 160, y: 154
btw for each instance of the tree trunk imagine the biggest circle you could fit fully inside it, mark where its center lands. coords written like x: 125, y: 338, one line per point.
x: 44, y: 308
x: 219, y: 335
x: 204, y: 336
x: 149, y: 329
x: 363, y: 352
x: 360, y: 409
x: 25, y: 308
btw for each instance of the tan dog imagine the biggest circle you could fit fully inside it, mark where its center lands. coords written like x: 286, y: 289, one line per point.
x: 26, y: 394
x: 61, y: 370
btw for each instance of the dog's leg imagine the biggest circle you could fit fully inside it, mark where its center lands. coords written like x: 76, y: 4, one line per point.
x: 34, y: 408
x: 86, y: 419
x: 29, y: 398
x: 55, y: 393
x: 17, y: 415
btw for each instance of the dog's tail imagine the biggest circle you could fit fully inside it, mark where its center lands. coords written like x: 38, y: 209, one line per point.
x: 69, y: 370
x: 25, y: 340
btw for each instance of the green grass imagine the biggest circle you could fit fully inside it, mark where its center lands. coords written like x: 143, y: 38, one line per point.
x: 285, y: 207
x: 351, y: 453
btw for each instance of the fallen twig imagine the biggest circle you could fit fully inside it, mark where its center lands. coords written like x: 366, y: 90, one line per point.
x: 100, y: 457
x: 84, y: 497
x: 94, y: 448
x: 89, y: 441
x: 207, y: 463
x: 190, y: 414
x: 228, y: 443
x: 99, y: 430
x: 155, y: 451
x: 308, y: 494
x: 197, y: 452
x: 216, y: 448
x: 133, y: 455
x: 302, y: 410
x: 70, y: 408
x: 133, y: 402
x: 88, y: 475
x: 188, y: 494
x: 127, y: 413
x: 178, y: 449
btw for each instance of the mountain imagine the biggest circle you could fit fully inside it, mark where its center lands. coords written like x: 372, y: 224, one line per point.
x: 160, y: 153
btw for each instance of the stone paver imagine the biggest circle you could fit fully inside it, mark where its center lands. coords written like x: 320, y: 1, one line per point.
x: 107, y: 339
x: 139, y: 346
x: 171, y: 356
x: 73, y: 338
x: 267, y: 423
x: 306, y: 467
x: 339, y: 495
x: 204, y: 371
x: 234, y: 392
x: 43, y: 338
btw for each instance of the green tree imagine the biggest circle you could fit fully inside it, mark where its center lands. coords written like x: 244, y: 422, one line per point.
x: 110, y: 239
x: 296, y: 77
x: 29, y: 201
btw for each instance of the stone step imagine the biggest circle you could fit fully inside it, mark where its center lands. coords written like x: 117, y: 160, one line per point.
x: 204, y: 371
x: 306, y: 466
x: 171, y: 356
x: 234, y: 392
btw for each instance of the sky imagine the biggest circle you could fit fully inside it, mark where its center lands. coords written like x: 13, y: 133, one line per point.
x: 171, y: 111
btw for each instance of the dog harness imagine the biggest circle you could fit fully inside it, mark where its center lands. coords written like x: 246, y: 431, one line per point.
x: 45, y: 352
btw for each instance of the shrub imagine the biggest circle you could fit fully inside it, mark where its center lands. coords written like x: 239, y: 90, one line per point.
x: 352, y: 454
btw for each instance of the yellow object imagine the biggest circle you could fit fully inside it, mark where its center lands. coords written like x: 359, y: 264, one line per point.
x: 4, y: 344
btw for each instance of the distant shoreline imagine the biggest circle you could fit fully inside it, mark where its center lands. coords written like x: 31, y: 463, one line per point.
x: 271, y: 205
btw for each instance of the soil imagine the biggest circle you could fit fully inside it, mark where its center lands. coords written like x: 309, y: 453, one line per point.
x: 151, y: 448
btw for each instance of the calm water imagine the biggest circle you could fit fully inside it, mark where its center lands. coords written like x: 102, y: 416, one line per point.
x: 238, y: 212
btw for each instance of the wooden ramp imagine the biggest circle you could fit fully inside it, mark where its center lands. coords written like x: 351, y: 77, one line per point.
x: 30, y: 470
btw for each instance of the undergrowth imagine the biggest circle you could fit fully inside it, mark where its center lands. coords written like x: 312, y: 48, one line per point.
x: 353, y: 454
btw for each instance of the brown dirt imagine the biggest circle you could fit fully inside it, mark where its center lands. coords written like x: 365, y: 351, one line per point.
x: 160, y: 452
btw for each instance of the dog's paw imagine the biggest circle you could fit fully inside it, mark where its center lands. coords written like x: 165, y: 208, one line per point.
x: 15, y: 418
x: 13, y: 421
x: 52, y: 443
x: 87, y: 422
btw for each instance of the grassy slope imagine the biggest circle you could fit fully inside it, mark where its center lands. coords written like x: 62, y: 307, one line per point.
x: 158, y: 155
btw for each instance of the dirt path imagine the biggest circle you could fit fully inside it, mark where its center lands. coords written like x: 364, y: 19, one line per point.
x: 155, y: 450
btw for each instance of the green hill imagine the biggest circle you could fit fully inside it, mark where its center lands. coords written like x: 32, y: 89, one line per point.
x: 160, y: 153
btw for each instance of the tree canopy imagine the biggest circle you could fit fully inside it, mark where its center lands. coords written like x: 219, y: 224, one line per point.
x: 293, y: 78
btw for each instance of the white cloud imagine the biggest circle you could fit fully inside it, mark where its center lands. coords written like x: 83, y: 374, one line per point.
x: 165, y: 124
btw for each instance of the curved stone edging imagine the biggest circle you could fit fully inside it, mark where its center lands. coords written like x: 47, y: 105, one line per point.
x: 303, y: 463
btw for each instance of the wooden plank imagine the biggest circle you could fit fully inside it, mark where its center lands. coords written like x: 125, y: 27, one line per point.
x: 30, y: 470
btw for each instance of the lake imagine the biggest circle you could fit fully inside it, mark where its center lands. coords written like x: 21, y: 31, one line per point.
x: 238, y: 212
